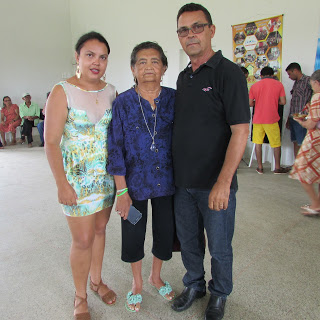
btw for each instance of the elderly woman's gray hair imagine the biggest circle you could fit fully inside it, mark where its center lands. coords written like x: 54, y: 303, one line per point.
x: 315, y: 76
x: 147, y: 45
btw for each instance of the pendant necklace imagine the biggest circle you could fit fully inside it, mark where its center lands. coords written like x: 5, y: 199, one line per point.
x: 97, y: 100
x: 153, y: 146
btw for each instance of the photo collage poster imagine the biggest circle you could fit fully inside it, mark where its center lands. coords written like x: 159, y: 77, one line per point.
x: 258, y: 44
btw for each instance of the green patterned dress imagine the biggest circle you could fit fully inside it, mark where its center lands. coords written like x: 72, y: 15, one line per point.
x: 84, y: 148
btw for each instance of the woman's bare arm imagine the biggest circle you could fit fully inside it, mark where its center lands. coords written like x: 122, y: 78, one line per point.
x: 56, y: 116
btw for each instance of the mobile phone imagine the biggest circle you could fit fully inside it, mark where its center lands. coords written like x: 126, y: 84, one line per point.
x: 134, y: 215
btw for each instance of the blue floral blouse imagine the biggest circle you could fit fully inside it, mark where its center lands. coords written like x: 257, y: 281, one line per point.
x: 149, y: 174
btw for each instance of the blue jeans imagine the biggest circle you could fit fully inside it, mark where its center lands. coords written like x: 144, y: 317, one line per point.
x: 192, y: 215
x: 40, y: 127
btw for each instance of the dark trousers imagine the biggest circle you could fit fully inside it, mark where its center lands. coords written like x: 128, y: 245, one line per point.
x: 192, y: 216
x: 133, y: 236
x: 27, y: 130
x: 40, y: 127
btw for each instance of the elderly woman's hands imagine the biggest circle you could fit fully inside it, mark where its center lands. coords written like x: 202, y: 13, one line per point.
x: 123, y: 205
x: 309, y: 124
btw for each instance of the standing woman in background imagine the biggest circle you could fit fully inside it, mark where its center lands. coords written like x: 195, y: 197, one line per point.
x: 78, y: 113
x: 306, y: 167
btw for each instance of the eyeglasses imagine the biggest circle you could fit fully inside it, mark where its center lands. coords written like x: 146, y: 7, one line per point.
x: 7, y: 100
x: 195, y: 28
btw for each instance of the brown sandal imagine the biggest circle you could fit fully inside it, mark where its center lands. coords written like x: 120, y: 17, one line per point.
x: 109, y: 297
x: 83, y: 315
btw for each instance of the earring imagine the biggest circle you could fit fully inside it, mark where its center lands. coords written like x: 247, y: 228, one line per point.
x: 104, y: 77
x: 78, y: 72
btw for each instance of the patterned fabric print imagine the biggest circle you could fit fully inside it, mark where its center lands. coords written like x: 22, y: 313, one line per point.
x: 149, y: 174
x: 301, y: 94
x: 84, y: 150
x: 306, y: 167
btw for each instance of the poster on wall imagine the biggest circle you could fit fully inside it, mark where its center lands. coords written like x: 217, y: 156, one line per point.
x: 258, y: 44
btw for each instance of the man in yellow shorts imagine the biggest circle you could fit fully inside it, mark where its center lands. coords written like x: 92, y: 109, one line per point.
x: 264, y: 96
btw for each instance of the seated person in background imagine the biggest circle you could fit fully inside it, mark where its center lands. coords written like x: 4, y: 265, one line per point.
x: 40, y: 125
x: 30, y: 114
x: 10, y: 120
x: 264, y: 96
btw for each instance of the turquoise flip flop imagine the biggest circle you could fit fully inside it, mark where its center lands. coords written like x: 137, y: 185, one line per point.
x: 166, y: 289
x: 133, y: 299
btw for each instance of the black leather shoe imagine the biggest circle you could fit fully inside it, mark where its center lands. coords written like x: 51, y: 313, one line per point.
x: 215, y: 308
x: 186, y: 298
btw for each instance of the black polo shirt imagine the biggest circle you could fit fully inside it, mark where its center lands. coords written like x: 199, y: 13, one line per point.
x: 208, y: 102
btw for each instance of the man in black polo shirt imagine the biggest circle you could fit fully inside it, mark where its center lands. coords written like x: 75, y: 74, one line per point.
x: 210, y: 132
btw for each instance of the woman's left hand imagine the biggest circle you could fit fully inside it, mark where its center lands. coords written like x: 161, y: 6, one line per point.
x: 123, y: 205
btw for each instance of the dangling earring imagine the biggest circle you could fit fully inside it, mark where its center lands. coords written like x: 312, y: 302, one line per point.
x: 135, y: 80
x: 161, y: 79
x: 104, y: 77
x: 78, y: 72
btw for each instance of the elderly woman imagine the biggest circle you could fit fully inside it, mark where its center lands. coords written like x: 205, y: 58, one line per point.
x: 78, y: 114
x: 306, y: 167
x: 139, y: 147
x: 10, y: 120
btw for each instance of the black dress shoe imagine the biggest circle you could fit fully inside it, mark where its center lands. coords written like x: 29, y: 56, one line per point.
x: 186, y: 298
x: 215, y: 308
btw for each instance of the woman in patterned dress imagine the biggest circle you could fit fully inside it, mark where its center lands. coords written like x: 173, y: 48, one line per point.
x: 78, y: 113
x: 139, y: 143
x: 10, y: 120
x: 306, y: 167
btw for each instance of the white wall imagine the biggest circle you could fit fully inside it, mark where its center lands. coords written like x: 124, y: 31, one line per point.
x: 38, y: 36
x: 35, y: 47
x: 127, y: 23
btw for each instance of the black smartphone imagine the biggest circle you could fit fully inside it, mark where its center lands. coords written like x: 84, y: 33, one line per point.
x: 134, y: 215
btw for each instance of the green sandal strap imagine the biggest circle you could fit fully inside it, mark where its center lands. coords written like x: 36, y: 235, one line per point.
x: 134, y: 298
x: 166, y: 289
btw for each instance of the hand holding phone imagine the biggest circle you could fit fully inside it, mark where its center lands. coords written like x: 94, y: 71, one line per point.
x: 134, y: 215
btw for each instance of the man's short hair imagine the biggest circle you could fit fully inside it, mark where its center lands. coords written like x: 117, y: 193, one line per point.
x: 190, y: 7
x: 267, y: 72
x: 292, y: 66
x: 244, y: 70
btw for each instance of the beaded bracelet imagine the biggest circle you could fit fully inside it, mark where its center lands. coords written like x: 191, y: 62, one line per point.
x: 123, y: 192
